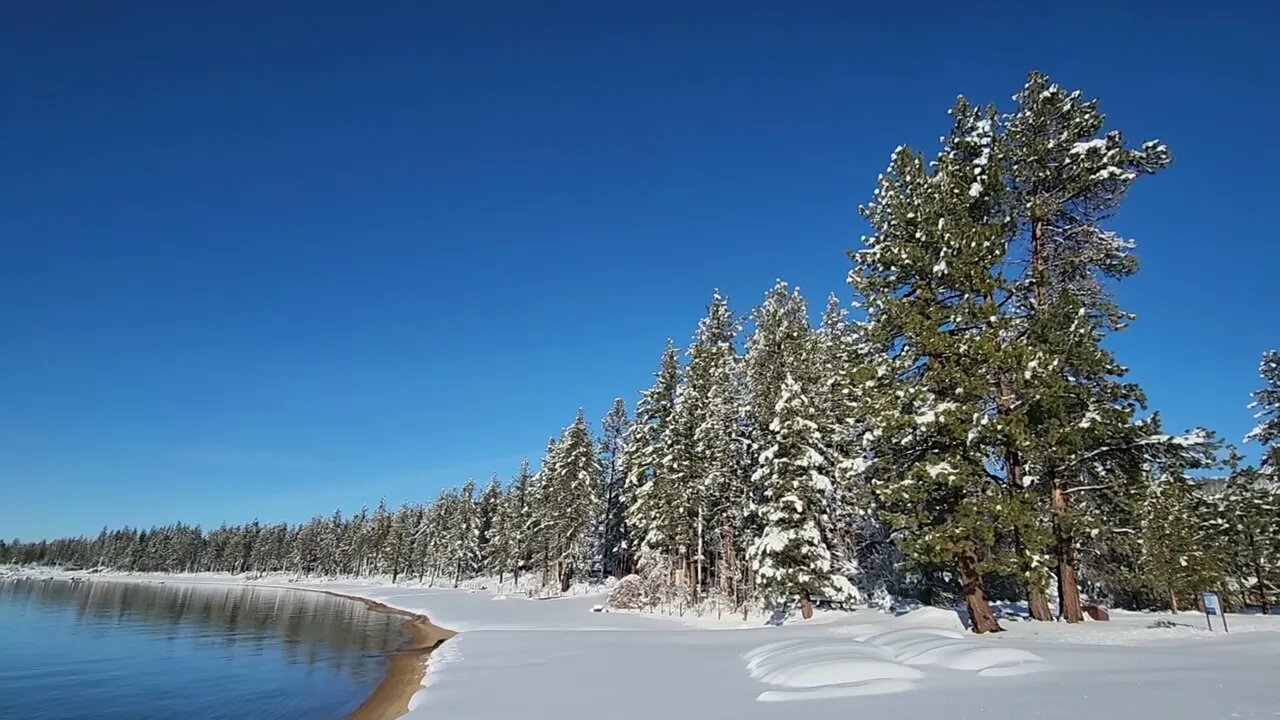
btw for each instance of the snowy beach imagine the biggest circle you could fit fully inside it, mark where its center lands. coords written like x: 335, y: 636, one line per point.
x: 540, y: 658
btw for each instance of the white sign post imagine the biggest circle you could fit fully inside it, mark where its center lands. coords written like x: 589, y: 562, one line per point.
x: 1213, y: 607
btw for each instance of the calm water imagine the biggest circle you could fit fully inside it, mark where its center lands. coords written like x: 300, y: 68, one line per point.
x: 120, y: 650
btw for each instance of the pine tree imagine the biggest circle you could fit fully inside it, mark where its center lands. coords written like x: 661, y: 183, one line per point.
x: 464, y: 532
x: 613, y: 535
x: 792, y: 557
x: 778, y: 346
x: 1177, y: 540
x: 644, y: 453
x: 1251, y: 506
x: 718, y: 495
x: 397, y: 549
x: 375, y: 543
x: 841, y: 372
x: 929, y: 283
x: 1267, y: 403
x: 516, y: 522
x: 1065, y: 178
x: 487, y: 511
x: 568, y: 502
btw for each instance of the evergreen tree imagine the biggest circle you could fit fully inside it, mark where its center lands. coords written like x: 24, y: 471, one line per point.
x: 792, y: 556
x: 644, y: 452
x: 1267, y: 403
x: 929, y: 283
x: 718, y: 495
x: 1065, y: 178
x: 841, y: 372
x: 516, y: 522
x: 568, y: 502
x: 614, y: 429
x: 487, y: 511
x: 778, y: 347
x: 1251, y: 506
x: 375, y: 544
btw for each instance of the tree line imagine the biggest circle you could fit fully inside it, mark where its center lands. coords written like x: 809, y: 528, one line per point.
x: 958, y: 429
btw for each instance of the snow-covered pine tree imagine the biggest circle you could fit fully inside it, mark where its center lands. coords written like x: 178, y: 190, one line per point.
x: 487, y: 508
x: 778, y: 346
x: 1179, y: 539
x: 350, y: 538
x: 433, y: 549
x: 718, y: 495
x: 1251, y: 506
x: 928, y: 279
x: 541, y: 518
x: 676, y: 496
x: 398, y: 545
x: 1065, y: 178
x: 517, y: 548
x: 1266, y: 401
x: 840, y: 372
x: 643, y: 454
x: 569, y: 502
x: 464, y: 532
x: 791, y: 558
x: 613, y: 534
x: 376, y: 541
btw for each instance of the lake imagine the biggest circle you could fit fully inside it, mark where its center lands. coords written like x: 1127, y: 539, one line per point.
x: 115, y: 650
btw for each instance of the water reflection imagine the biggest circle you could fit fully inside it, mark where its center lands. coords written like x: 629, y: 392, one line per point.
x: 264, y: 642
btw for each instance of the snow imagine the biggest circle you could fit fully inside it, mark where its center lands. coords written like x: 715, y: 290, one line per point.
x: 527, y: 658
x: 1083, y: 147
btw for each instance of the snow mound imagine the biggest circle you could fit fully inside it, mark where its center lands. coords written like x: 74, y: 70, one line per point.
x: 932, y: 617
x: 499, y: 597
x: 947, y: 648
x: 769, y: 658
x: 824, y: 668
x: 872, y: 687
x: 877, y: 661
x: 829, y: 670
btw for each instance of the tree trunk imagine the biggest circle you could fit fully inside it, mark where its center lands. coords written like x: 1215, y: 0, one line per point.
x: 981, y: 619
x: 1038, y: 603
x: 566, y: 578
x: 1173, y: 601
x: 1068, y: 588
x: 1259, y: 572
x: 806, y: 606
x: 697, y: 585
x: 1262, y: 591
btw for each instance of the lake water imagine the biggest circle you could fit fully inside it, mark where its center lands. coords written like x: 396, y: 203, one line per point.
x: 108, y: 650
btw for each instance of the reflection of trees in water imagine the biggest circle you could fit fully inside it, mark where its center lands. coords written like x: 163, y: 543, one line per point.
x: 310, y: 627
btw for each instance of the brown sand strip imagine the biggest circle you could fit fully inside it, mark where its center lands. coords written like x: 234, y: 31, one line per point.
x: 405, y: 667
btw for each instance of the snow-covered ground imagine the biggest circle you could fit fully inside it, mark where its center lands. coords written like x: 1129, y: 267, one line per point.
x: 516, y: 657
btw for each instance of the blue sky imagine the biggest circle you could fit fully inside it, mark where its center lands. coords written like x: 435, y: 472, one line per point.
x: 268, y: 261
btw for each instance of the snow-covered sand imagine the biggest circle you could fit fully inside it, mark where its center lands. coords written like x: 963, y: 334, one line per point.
x: 516, y: 657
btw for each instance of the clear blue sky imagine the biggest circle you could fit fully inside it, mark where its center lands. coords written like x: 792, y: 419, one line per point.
x: 267, y: 259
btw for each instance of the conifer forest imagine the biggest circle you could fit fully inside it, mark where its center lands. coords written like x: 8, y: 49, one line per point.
x: 954, y: 429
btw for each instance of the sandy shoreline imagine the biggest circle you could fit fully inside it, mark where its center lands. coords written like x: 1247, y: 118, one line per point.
x: 405, y: 667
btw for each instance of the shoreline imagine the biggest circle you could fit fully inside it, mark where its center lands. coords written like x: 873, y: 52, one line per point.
x: 406, y: 665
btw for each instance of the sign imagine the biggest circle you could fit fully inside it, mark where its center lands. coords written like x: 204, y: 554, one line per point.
x: 1212, y: 606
